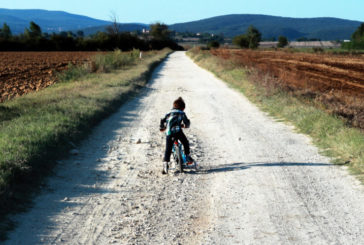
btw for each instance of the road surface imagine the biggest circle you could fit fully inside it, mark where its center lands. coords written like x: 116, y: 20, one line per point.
x: 259, y: 182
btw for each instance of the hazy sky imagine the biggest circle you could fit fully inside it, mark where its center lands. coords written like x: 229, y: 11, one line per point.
x: 172, y: 11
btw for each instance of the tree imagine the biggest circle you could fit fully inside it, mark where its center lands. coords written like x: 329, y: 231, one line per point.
x: 70, y: 34
x: 254, y: 37
x: 100, y: 37
x: 358, y: 35
x: 357, y: 39
x: 160, y: 31
x: 34, y: 31
x: 80, y: 34
x: 114, y: 28
x: 63, y: 34
x: 5, y: 32
x: 282, y: 41
x: 250, y: 39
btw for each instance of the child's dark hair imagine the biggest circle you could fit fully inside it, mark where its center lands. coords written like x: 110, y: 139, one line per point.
x: 179, y: 104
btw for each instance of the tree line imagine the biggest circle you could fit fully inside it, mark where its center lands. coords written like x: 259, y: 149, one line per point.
x: 33, y: 39
x: 252, y: 37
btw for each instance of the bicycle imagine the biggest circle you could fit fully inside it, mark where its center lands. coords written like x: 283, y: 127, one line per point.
x: 179, y: 157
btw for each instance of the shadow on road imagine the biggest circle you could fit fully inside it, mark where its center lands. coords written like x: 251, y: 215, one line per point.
x: 242, y: 166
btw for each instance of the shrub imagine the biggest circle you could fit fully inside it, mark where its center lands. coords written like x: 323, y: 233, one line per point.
x: 318, y: 50
x: 114, y: 60
x: 213, y: 44
x: 282, y: 41
x: 241, y: 41
x: 72, y: 73
x: 100, y: 63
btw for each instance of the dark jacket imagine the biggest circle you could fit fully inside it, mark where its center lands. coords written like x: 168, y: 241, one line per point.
x: 173, y: 121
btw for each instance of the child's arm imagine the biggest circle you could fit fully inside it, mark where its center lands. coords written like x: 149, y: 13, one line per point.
x: 163, y: 122
x: 186, y: 121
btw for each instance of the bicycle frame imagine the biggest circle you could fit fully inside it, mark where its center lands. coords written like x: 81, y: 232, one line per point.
x: 178, y: 144
x: 178, y: 155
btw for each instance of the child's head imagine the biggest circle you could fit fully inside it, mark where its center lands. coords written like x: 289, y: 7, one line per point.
x: 179, y: 104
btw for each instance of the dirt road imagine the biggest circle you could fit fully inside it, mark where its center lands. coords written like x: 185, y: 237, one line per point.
x: 258, y: 182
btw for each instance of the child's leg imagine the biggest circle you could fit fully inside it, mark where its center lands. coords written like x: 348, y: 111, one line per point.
x: 169, y: 145
x: 184, y: 141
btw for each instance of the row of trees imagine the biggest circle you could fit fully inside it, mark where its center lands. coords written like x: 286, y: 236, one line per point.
x: 252, y: 37
x: 34, y: 39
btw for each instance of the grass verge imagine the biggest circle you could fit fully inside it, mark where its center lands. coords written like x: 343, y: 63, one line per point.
x: 344, y: 144
x: 38, y: 128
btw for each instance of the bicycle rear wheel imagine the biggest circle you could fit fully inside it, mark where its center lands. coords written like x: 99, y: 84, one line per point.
x: 179, y: 160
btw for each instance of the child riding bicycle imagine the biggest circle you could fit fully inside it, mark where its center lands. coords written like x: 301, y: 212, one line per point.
x: 172, y: 124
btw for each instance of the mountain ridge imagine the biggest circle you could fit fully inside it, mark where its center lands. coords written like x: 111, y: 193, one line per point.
x: 48, y: 20
x: 324, y: 28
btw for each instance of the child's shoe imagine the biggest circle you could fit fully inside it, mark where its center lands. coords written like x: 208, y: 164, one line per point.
x: 189, y: 159
x: 165, y: 167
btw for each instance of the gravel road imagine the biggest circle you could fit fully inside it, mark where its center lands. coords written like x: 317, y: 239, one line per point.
x: 258, y: 182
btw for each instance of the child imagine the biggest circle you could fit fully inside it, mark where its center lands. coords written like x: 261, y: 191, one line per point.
x: 172, y: 123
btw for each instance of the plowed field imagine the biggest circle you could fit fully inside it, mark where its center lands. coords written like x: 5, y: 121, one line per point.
x: 319, y: 72
x: 24, y: 72
x: 338, y: 81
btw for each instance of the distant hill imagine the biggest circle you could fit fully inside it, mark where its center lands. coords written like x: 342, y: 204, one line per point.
x: 229, y: 25
x: 49, y: 21
x: 273, y: 26
x: 57, y: 21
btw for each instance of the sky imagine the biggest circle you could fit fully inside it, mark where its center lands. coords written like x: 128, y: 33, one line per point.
x: 174, y: 11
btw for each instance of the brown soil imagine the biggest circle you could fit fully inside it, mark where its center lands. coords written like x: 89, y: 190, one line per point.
x: 24, y: 72
x: 337, y: 81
